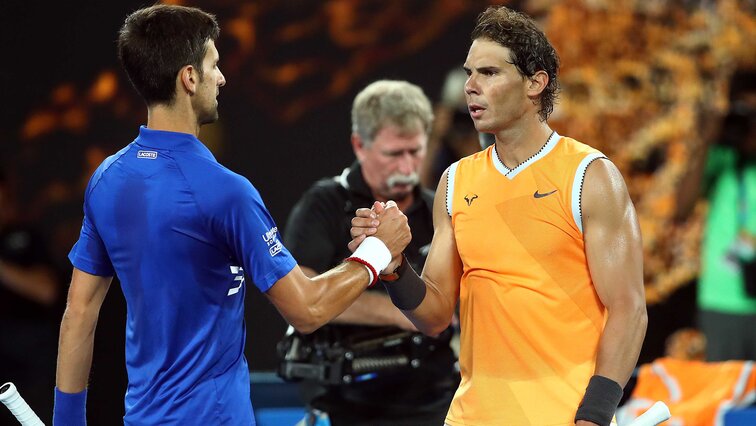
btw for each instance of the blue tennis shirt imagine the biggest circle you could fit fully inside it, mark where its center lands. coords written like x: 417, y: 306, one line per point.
x: 180, y: 231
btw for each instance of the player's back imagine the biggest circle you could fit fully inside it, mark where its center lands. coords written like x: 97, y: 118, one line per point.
x: 153, y: 205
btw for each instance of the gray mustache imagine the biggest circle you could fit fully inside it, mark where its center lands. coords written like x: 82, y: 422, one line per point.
x: 400, y: 179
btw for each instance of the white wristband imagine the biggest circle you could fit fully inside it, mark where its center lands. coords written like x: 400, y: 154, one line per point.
x: 374, y: 252
x: 370, y: 273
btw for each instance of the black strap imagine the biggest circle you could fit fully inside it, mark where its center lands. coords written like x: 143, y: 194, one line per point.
x: 600, y: 401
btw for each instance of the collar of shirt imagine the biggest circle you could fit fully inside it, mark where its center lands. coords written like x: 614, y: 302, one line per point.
x: 172, y: 141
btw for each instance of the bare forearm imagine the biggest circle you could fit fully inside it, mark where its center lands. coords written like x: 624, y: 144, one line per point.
x: 331, y: 293
x: 35, y: 283
x: 75, y: 350
x: 374, y: 309
x: 621, y: 342
x: 435, y: 312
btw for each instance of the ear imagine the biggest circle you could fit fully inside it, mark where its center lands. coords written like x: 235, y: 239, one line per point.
x: 358, y: 146
x: 188, y: 79
x: 537, y: 83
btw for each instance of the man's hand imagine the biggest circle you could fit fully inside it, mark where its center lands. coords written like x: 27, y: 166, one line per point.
x: 393, y: 229
x: 368, y: 222
x: 364, y: 224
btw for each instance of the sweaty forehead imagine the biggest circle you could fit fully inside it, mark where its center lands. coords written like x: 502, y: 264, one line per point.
x: 485, y: 52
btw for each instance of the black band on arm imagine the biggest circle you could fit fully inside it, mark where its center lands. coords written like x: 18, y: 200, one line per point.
x: 408, y: 291
x: 600, y: 401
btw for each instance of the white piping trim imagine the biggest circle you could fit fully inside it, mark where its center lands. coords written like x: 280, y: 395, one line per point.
x: 452, y: 171
x: 675, y: 393
x: 342, y: 179
x: 577, y: 187
x: 498, y: 164
x: 511, y: 173
x: 735, y: 401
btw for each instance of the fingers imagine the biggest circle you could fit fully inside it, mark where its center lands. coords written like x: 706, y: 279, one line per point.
x: 356, y: 241
x: 363, y: 226
x: 366, y: 221
x: 378, y: 207
x: 365, y: 212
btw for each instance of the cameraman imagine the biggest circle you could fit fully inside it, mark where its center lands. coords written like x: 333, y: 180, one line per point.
x: 390, y: 125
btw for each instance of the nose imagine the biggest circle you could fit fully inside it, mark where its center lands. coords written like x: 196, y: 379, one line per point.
x: 407, y: 163
x: 221, y: 80
x: 471, y: 85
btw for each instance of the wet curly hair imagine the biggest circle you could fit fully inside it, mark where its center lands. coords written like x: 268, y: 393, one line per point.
x: 530, y: 49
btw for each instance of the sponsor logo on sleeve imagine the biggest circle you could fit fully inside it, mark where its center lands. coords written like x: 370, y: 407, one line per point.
x: 271, y: 238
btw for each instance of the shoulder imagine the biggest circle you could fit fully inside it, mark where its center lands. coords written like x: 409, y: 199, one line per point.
x: 473, y: 159
x: 571, y: 147
x: 105, y: 166
x: 326, y: 186
x: 325, y: 192
x: 215, y: 186
x: 604, y: 188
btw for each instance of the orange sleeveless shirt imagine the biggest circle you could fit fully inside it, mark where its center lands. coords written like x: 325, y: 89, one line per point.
x: 530, y: 316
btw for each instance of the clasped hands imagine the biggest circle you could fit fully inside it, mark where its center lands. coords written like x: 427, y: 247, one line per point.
x: 385, y: 222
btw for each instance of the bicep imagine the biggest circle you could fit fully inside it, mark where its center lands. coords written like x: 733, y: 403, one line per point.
x: 443, y: 268
x: 87, y: 291
x: 288, y: 293
x: 612, y: 236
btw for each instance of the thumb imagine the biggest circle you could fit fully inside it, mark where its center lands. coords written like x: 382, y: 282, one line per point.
x: 378, y: 207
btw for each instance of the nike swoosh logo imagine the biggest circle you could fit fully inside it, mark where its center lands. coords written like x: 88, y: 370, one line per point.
x: 538, y: 195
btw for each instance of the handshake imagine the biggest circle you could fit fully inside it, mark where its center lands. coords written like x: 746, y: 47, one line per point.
x: 387, y: 224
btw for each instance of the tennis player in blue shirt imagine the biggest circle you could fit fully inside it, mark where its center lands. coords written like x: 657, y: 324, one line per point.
x: 180, y: 231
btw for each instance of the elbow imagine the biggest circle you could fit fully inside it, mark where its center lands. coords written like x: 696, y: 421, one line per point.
x: 433, y: 330
x: 310, y: 320
x: 640, y: 313
x: 305, y: 328
x: 642, y: 317
x: 634, y: 313
x: 434, y: 327
x: 78, y: 318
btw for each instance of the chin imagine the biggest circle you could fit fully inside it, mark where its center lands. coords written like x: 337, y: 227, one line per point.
x: 400, y: 196
x: 208, y: 119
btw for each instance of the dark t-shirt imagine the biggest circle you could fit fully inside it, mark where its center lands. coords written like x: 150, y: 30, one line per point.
x: 317, y: 234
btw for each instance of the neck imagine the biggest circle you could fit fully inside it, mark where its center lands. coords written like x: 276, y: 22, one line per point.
x: 178, y: 117
x: 515, y: 146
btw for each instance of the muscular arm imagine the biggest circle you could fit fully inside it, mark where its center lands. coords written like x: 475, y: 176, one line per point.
x: 441, y: 274
x: 615, y: 259
x: 308, y: 303
x: 370, y: 308
x: 77, y: 329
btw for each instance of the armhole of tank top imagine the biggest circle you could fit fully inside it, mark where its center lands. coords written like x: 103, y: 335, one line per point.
x: 577, y: 187
x: 451, y: 171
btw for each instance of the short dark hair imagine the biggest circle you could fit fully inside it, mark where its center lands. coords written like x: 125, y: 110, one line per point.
x: 530, y: 49
x: 156, y: 42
